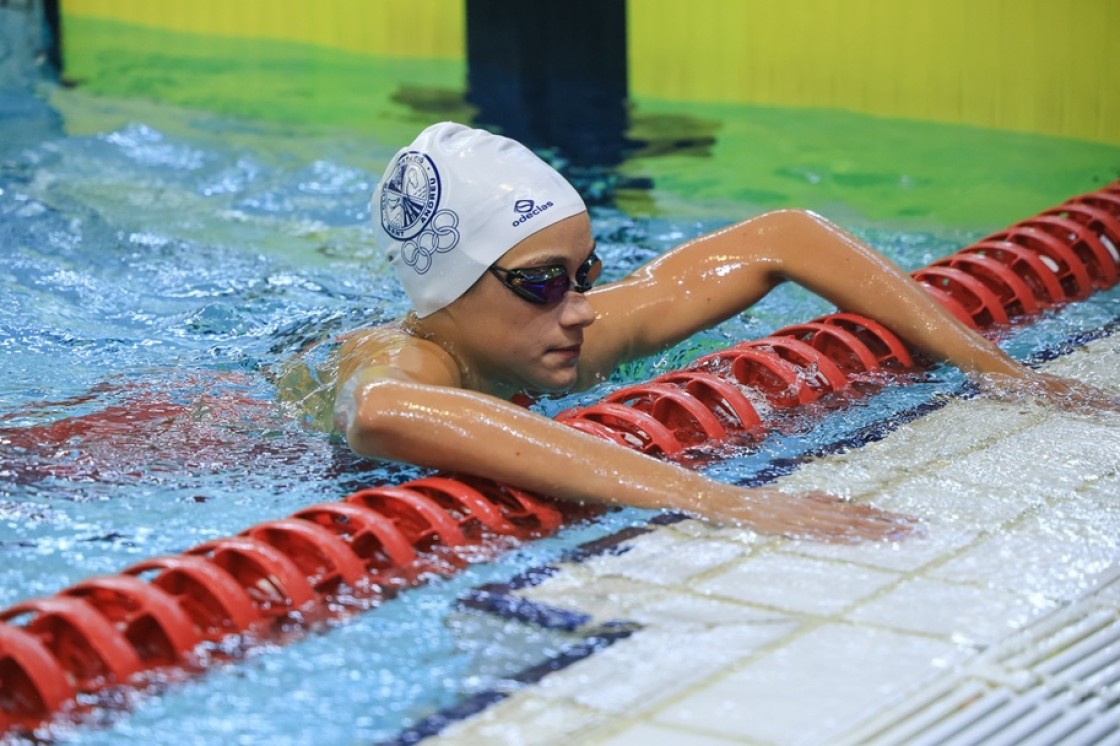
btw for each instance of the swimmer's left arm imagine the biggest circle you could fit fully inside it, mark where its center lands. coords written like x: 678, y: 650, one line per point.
x: 718, y: 275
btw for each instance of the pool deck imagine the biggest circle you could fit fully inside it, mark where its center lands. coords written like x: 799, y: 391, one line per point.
x: 1003, y: 618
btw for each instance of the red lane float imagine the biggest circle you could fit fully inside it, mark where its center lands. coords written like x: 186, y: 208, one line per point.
x: 111, y: 631
x: 216, y: 602
x: 725, y: 399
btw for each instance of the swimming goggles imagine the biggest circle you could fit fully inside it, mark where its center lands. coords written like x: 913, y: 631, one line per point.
x: 550, y: 283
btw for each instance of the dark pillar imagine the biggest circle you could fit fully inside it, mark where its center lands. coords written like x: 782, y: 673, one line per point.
x: 551, y: 74
x: 54, y: 29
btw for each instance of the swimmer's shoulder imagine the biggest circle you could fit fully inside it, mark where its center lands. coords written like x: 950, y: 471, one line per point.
x: 389, y: 351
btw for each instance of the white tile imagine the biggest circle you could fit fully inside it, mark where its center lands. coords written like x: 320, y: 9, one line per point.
x: 682, y: 609
x: 928, y: 443
x: 1014, y: 497
x: 1096, y: 363
x: 847, y: 475
x: 1056, y: 554
x: 944, y: 498
x: 604, y: 599
x: 799, y: 584
x: 521, y: 720
x: 664, y: 557
x: 655, y: 663
x: 931, y: 544
x: 973, y: 424
x: 647, y: 734
x: 1093, y: 514
x: 1087, y: 445
x: 703, y: 530
x: 960, y: 613
x: 1108, y: 593
x: 1102, y: 492
x: 1050, y: 460
x: 608, y: 599
x: 815, y: 688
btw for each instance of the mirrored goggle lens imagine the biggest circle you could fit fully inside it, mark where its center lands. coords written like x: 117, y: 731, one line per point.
x: 549, y: 284
x: 542, y: 287
x: 588, y: 273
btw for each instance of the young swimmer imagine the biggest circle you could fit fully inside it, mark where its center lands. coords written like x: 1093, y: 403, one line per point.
x: 495, y: 251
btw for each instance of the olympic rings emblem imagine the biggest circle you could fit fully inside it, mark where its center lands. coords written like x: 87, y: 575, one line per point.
x: 441, y: 236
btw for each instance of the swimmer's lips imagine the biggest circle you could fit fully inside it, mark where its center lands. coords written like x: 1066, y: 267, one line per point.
x: 571, y: 352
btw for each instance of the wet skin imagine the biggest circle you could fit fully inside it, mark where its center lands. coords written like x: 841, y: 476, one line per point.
x: 434, y: 391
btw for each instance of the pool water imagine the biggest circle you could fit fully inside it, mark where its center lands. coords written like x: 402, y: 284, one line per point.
x: 159, y: 264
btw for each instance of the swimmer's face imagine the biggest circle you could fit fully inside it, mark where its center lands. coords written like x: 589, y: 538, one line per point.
x: 514, y: 344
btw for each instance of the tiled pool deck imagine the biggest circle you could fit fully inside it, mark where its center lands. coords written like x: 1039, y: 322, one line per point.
x: 741, y: 639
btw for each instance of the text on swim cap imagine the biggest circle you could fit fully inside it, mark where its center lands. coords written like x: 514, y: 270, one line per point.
x: 528, y: 210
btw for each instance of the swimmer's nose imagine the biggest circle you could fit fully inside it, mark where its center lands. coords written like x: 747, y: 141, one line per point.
x: 576, y: 310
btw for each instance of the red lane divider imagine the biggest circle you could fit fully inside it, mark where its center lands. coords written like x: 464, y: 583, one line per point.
x: 981, y: 304
x: 781, y: 382
x: 273, y: 580
x: 818, y: 370
x: 157, y: 628
x: 631, y: 427
x: 1085, y: 243
x: 893, y: 355
x: 1012, y: 292
x: 88, y: 647
x: 726, y: 400
x: 323, y: 558
x: 846, y: 350
x: 685, y: 415
x: 113, y: 630
x: 216, y: 602
x: 35, y: 683
x: 1040, y: 277
x: 1072, y: 271
x: 371, y: 536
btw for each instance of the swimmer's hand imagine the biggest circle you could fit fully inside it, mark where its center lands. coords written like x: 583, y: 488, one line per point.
x: 811, y: 515
x: 1067, y: 394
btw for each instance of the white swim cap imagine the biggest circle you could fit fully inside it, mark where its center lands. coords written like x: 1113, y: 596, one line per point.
x: 456, y: 199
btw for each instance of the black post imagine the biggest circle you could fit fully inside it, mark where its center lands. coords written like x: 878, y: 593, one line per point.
x: 551, y: 74
x: 54, y: 29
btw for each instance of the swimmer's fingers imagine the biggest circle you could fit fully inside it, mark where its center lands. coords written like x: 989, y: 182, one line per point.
x: 816, y: 516
x: 1067, y: 394
x: 1080, y: 397
x: 836, y: 520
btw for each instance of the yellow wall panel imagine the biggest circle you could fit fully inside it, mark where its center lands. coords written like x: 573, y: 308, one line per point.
x: 430, y: 29
x: 1026, y: 65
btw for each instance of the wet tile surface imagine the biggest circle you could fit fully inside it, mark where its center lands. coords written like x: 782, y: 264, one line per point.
x: 815, y: 687
x: 747, y: 639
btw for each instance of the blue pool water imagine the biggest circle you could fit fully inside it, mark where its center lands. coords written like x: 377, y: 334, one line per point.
x: 152, y: 255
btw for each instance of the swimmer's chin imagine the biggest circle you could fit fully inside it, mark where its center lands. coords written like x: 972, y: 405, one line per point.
x: 554, y: 387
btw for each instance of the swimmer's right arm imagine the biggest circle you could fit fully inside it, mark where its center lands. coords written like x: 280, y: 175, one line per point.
x: 451, y: 429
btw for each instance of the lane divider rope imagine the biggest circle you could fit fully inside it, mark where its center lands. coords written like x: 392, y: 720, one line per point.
x: 62, y: 655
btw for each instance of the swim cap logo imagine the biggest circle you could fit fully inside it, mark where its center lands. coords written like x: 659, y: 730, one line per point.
x: 410, y: 211
x: 528, y: 210
x: 410, y: 198
x: 441, y: 237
